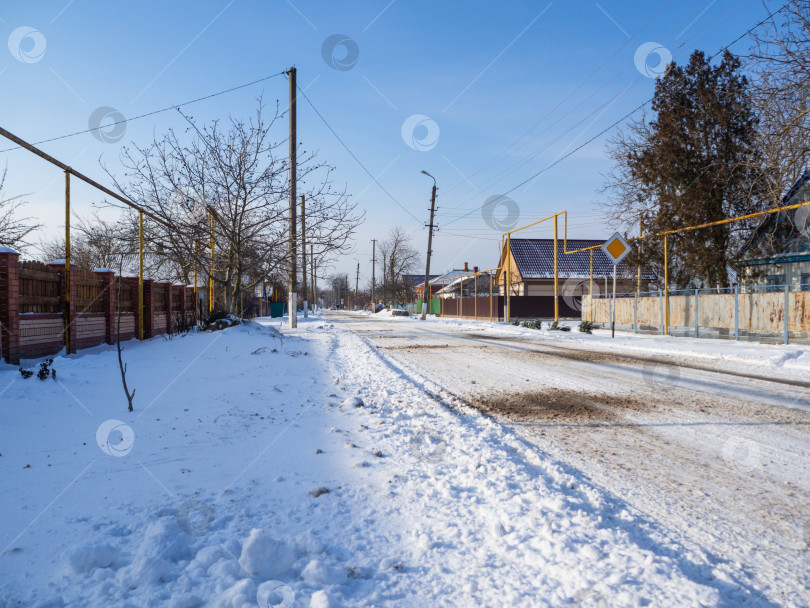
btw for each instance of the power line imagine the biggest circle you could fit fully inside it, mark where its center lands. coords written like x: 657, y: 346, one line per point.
x: 357, y: 160
x: 166, y: 109
x: 614, y: 124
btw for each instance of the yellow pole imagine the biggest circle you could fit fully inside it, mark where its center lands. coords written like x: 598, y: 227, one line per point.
x: 67, y: 262
x: 140, y: 275
x: 490, y: 295
x: 556, y: 303
x: 441, y: 302
x: 508, y: 272
x: 590, y: 287
x: 638, y: 270
x: 666, y: 289
x: 475, y: 290
x: 211, y: 265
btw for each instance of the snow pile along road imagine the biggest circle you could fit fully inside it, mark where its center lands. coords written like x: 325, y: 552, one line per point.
x: 301, y: 469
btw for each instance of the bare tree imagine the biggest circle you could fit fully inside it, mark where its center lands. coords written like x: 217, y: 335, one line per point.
x: 230, y: 180
x: 13, y: 229
x: 780, y: 63
x: 397, y: 257
x: 97, y: 243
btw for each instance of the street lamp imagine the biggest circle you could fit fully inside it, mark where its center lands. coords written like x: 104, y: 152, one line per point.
x: 426, y: 294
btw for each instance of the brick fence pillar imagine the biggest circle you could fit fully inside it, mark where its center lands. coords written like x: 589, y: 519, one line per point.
x: 68, y: 309
x: 190, y: 297
x: 182, y: 321
x: 148, y: 309
x: 10, y: 305
x: 108, y: 303
x: 168, y: 301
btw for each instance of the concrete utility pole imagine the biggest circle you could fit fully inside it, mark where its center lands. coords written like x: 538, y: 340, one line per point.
x: 426, y: 294
x: 293, y: 276
x: 373, y: 265
x: 356, y: 285
x: 304, y: 255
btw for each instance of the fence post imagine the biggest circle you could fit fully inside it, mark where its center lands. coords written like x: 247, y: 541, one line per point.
x: 635, y: 315
x: 697, y: 322
x: 148, y: 309
x: 737, y: 312
x: 787, y: 312
x: 168, y: 305
x: 661, y: 309
x: 69, y: 301
x: 108, y: 303
x: 10, y: 305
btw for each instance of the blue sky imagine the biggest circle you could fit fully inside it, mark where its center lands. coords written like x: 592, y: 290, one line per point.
x: 503, y: 89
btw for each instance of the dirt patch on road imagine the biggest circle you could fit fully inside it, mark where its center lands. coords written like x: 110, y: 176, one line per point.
x: 558, y: 405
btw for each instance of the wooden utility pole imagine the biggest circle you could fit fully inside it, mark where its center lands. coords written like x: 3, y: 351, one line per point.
x: 373, y: 265
x: 304, y: 254
x: 426, y: 294
x: 293, y: 275
x: 312, y: 274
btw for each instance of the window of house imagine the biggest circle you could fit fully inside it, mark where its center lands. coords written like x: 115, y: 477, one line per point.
x: 776, y: 282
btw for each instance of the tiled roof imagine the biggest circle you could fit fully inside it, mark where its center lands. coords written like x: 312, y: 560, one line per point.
x: 535, y: 260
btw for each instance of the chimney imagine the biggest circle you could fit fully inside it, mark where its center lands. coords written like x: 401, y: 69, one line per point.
x: 466, y: 267
x: 475, y: 268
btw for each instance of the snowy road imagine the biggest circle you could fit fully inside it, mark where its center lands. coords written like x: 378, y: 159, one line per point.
x: 714, y: 453
x: 359, y: 462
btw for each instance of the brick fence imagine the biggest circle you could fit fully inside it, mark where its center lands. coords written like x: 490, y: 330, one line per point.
x: 35, y: 318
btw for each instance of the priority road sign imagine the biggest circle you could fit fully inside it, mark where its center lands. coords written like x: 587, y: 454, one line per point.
x: 616, y: 248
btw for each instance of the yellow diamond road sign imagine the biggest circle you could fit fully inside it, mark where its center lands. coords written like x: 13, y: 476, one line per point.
x: 616, y: 248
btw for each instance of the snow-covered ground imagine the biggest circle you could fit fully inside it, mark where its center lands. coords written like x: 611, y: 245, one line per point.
x: 264, y: 466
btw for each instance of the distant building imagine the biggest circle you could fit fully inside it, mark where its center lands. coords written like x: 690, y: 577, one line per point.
x: 531, y: 264
x: 778, y: 252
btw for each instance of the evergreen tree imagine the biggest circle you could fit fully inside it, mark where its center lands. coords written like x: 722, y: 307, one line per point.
x: 695, y: 163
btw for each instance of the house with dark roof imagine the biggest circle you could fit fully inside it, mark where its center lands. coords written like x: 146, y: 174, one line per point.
x: 531, y: 263
x: 778, y: 252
